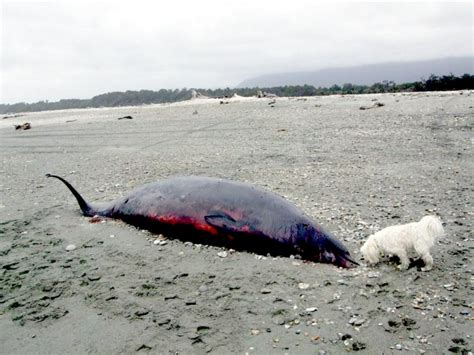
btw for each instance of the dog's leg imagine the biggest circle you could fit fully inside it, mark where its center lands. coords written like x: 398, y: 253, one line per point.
x: 404, y: 260
x: 424, y: 252
x: 428, y: 260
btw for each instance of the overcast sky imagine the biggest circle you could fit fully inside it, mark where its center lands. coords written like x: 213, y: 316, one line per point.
x: 53, y: 50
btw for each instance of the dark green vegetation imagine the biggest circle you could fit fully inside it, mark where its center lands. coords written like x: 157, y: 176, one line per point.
x: 144, y: 97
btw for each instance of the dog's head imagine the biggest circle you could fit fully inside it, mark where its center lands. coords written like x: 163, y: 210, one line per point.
x: 370, y: 251
x: 433, y: 226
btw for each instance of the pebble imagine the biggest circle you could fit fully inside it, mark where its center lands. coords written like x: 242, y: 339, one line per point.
x: 193, y: 336
x: 357, y: 345
x: 398, y: 346
x: 203, y: 288
x: 222, y: 254
x: 265, y: 291
x: 373, y: 274
x: 460, y: 341
x: 255, y: 332
x: 356, y: 321
x: 70, y: 247
x: 303, y: 286
x: 112, y: 236
x: 345, y: 336
x: 143, y: 347
x: 449, y: 287
x: 94, y: 277
x: 141, y: 312
x: 311, y: 309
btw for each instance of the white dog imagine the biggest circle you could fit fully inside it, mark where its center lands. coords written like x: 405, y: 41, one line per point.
x: 399, y: 240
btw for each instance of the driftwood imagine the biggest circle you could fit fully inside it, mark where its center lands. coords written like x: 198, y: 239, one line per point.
x: 24, y: 126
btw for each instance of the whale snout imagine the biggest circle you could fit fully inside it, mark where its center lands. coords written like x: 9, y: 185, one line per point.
x: 321, y: 246
x: 347, y: 262
x: 338, y: 258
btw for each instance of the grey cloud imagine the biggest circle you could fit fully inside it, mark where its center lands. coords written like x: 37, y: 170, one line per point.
x: 52, y: 50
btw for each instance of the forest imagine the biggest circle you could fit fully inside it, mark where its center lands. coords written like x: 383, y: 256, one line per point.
x: 145, y: 97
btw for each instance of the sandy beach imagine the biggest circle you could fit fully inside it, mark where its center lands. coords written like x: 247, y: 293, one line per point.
x: 353, y: 171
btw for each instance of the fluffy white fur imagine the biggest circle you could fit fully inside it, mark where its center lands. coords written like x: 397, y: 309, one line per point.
x: 399, y: 240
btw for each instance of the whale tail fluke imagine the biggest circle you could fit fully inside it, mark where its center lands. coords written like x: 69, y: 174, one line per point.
x: 87, y: 209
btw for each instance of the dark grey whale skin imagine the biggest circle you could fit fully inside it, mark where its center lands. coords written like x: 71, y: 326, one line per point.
x: 224, y: 213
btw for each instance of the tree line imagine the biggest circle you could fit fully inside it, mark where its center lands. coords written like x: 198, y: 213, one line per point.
x: 145, y: 97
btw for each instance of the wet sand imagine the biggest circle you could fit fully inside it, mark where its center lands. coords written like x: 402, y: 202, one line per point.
x: 354, y: 171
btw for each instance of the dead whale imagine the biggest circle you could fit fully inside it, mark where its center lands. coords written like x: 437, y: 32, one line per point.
x: 224, y: 213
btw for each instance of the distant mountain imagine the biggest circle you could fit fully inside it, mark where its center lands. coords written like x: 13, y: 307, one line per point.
x: 399, y: 72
